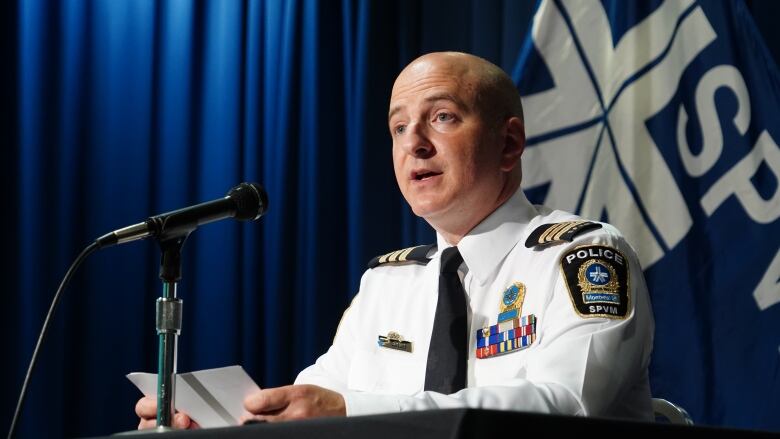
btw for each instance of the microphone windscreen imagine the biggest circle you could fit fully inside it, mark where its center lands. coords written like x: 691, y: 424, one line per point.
x: 250, y: 199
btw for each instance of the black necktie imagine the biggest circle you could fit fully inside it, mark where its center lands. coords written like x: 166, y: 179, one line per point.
x: 446, y: 370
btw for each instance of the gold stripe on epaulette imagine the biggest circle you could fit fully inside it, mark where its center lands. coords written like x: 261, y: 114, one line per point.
x: 405, y: 253
x: 572, y: 224
x: 556, y: 230
x: 547, y: 235
x: 411, y: 254
x: 383, y: 259
x: 394, y: 256
x: 543, y: 235
x: 569, y: 225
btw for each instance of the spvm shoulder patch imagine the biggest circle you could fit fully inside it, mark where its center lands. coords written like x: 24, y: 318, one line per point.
x: 597, y: 279
x: 417, y: 254
x: 554, y: 233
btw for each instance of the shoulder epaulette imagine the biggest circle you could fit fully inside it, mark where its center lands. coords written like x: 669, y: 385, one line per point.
x: 554, y: 233
x: 417, y: 254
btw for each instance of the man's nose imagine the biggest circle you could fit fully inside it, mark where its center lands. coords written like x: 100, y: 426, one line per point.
x: 416, y: 143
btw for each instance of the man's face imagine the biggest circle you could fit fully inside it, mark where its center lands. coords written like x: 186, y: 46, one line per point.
x: 446, y: 157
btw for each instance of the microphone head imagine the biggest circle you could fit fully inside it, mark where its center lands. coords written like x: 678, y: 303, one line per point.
x: 250, y: 199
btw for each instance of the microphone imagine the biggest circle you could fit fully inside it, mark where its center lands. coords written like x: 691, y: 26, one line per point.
x: 247, y: 201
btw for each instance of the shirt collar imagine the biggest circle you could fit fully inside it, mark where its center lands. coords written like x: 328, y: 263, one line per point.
x: 490, y: 241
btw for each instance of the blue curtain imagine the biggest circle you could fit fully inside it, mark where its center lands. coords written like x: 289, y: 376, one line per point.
x: 117, y: 110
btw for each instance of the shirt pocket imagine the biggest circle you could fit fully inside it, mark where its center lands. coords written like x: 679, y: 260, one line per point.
x: 387, y: 371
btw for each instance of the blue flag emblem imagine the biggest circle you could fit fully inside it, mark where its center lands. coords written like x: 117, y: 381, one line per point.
x: 661, y: 118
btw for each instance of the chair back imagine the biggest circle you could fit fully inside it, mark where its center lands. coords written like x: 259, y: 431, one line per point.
x: 670, y: 411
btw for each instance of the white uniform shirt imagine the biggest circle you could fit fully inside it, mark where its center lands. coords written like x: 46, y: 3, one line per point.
x: 592, y: 366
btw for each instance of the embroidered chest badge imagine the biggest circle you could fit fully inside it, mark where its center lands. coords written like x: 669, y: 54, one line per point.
x: 513, y: 331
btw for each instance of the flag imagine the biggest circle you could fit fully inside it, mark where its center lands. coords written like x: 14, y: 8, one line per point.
x: 662, y: 119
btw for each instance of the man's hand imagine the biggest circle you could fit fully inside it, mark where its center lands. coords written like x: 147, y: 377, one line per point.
x: 293, y: 402
x: 146, y: 409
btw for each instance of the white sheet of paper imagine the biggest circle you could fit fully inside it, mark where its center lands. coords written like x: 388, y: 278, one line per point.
x: 211, y: 397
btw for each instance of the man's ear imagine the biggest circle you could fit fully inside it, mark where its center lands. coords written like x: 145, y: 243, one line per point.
x: 514, y: 143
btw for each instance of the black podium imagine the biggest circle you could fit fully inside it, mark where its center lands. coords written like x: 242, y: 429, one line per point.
x: 459, y: 423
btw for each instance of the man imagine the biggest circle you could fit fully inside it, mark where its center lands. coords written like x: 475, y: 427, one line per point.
x: 546, y: 312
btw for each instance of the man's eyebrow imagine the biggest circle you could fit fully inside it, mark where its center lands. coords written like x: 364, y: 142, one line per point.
x: 433, y: 98
x: 447, y: 97
x: 393, y: 110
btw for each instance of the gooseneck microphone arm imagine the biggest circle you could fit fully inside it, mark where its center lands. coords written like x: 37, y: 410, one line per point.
x: 247, y: 201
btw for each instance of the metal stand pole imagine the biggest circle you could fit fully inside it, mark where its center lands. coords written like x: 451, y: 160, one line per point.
x: 169, y: 314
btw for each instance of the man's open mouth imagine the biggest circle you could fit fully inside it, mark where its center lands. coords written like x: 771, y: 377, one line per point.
x: 424, y: 175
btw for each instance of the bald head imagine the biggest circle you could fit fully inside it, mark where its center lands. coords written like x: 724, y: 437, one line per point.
x: 456, y: 124
x: 494, y: 94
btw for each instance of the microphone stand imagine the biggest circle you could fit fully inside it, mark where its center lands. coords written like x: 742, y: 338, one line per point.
x: 168, y: 323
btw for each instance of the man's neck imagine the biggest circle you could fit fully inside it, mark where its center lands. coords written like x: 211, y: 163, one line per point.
x: 454, y: 232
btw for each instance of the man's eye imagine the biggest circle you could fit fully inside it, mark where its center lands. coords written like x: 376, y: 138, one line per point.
x: 399, y: 129
x: 444, y: 117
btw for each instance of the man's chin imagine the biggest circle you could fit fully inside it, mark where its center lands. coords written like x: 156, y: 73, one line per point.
x: 428, y: 211
x: 432, y: 206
